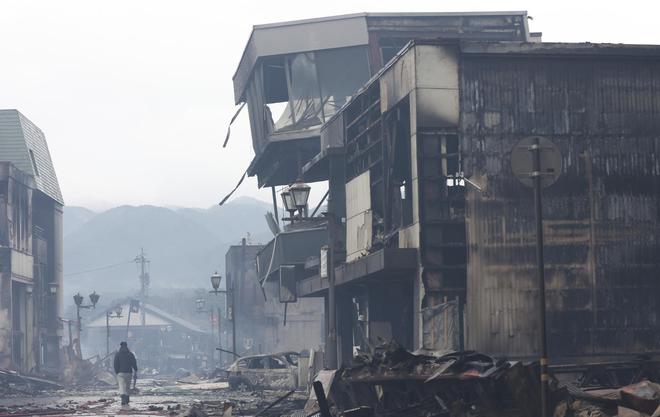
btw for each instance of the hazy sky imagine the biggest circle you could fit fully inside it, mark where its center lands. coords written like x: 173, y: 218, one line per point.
x: 134, y: 96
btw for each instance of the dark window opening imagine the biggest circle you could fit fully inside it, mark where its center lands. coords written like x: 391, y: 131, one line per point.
x: 256, y: 363
x: 451, y: 161
x: 400, y: 183
x: 275, y: 85
x: 292, y: 358
x: 275, y: 363
x: 389, y: 47
x: 301, y: 91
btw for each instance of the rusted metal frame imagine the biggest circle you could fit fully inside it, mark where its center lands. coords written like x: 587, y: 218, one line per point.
x: 359, y: 116
x: 423, y: 135
x: 357, y: 156
x: 367, y: 130
x: 274, y: 403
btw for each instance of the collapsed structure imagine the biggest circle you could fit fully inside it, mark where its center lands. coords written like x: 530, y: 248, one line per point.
x: 30, y: 249
x: 262, y: 323
x: 412, y: 119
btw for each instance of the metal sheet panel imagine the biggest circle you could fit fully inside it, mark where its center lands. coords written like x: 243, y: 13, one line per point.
x: 22, y: 265
x: 358, y: 216
x: 602, y: 217
x: 397, y: 81
x: 24, y: 144
x: 436, y: 66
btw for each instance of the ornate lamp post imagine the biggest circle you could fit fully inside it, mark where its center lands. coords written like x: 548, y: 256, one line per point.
x: 216, y: 278
x: 78, y: 300
x: 300, y: 194
x: 200, y: 303
x: 295, y: 199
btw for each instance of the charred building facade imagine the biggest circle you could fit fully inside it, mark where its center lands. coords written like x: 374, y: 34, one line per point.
x: 263, y: 324
x: 427, y: 156
x: 30, y: 249
x: 432, y: 236
x: 295, y: 77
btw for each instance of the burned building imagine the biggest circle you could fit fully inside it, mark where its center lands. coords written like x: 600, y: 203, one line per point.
x: 432, y: 236
x: 436, y: 213
x: 159, y: 339
x: 295, y: 77
x: 30, y: 248
x: 263, y: 324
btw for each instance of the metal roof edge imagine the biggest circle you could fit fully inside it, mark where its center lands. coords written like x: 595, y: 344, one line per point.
x: 559, y: 48
x: 367, y: 15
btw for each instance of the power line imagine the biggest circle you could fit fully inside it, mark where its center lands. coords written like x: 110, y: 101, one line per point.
x: 99, y: 268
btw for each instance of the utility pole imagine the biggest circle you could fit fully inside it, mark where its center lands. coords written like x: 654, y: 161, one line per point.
x: 234, y: 288
x: 142, y: 260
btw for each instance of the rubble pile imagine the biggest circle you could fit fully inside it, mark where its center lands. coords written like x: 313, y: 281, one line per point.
x: 392, y: 381
x: 13, y: 383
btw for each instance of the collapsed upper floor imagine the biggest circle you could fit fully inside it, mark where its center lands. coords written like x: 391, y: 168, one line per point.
x: 295, y: 75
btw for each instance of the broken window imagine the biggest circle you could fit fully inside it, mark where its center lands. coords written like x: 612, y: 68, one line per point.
x: 292, y: 358
x: 402, y: 167
x: 451, y: 163
x: 304, y: 109
x: 256, y: 363
x: 301, y: 91
x: 341, y: 73
x: 276, y: 363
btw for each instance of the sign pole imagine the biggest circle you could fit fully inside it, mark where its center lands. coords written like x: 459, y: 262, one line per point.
x: 536, y: 175
x: 536, y: 162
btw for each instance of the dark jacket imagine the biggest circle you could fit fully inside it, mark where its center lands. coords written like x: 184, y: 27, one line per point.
x: 125, y: 361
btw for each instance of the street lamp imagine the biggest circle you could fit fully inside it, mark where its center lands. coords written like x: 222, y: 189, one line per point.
x: 78, y: 300
x: 200, y: 303
x: 300, y: 194
x: 108, y: 315
x: 289, y: 204
x: 215, y: 281
x: 216, y: 278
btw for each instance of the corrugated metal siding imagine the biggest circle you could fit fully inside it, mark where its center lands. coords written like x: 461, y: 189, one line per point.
x: 12, y: 145
x: 601, y: 217
x: 18, y: 135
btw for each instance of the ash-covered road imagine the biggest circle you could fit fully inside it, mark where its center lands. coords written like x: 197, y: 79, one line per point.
x: 155, y: 398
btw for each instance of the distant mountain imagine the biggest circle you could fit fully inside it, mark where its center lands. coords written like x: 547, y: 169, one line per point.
x: 184, y: 245
x: 75, y: 217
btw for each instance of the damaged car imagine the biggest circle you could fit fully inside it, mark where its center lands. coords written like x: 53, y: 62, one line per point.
x: 275, y: 371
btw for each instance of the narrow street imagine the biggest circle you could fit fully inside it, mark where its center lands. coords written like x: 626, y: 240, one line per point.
x: 156, y: 397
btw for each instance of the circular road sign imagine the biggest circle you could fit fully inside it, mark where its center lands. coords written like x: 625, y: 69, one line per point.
x: 522, y: 160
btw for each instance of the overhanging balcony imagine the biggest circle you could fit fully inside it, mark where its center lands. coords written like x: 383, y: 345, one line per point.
x: 292, y: 247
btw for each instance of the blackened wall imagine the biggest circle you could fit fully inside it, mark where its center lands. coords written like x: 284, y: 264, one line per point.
x: 601, y: 217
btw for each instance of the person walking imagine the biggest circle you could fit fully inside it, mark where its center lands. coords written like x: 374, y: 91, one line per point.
x: 125, y: 365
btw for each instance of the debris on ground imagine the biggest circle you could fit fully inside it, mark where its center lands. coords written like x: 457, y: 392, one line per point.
x: 391, y: 381
x: 12, y: 382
